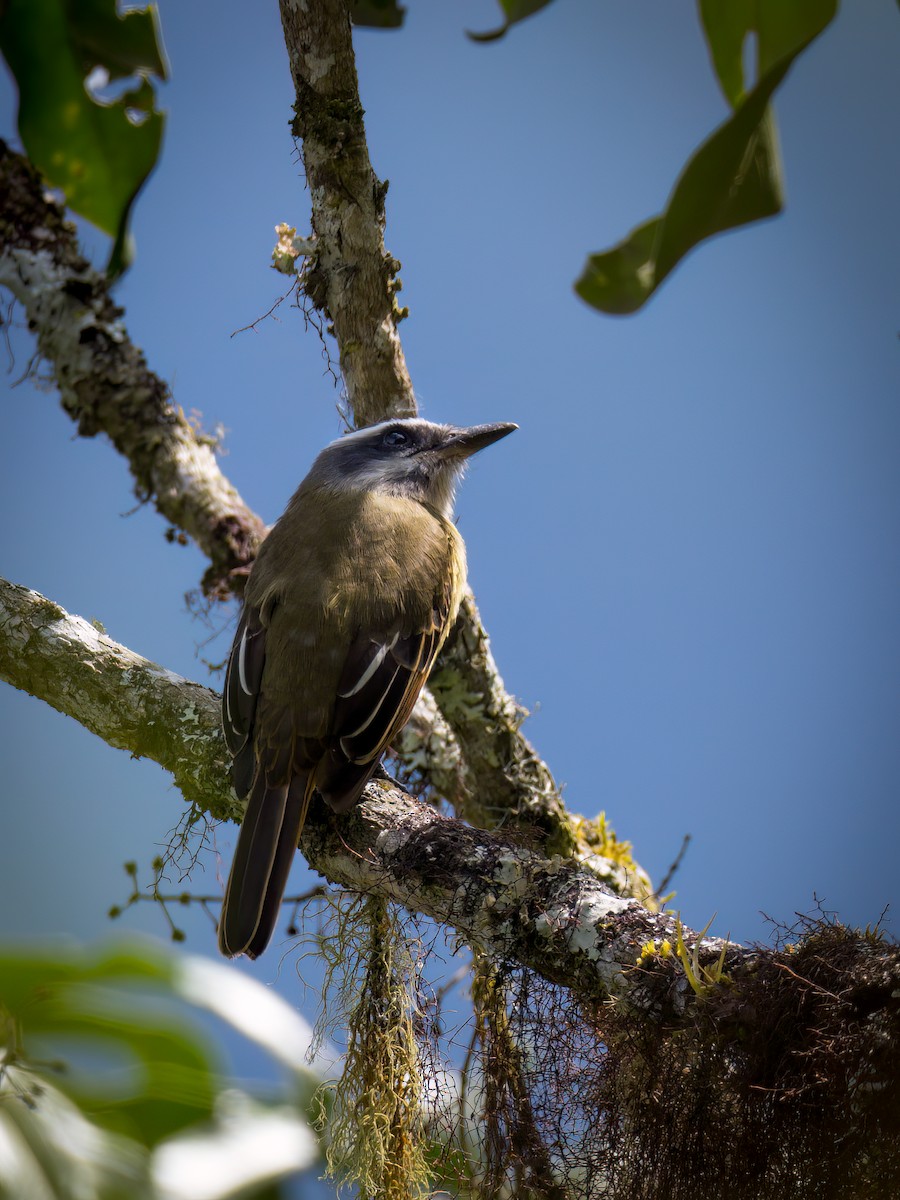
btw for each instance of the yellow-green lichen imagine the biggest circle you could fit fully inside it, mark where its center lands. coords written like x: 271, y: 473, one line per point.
x: 597, y: 843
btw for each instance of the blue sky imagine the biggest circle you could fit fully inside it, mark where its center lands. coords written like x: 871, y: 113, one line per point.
x: 688, y: 557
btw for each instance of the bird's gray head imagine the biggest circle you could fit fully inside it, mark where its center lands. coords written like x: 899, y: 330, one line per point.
x: 404, y: 457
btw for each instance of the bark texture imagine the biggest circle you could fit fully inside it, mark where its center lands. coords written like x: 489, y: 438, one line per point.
x: 513, y: 786
x: 350, y: 278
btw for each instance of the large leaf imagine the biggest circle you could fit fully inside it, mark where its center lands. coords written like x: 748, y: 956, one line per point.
x: 99, y: 152
x: 118, y: 1041
x: 108, y: 1088
x: 735, y: 176
x: 783, y: 28
x: 49, y: 1150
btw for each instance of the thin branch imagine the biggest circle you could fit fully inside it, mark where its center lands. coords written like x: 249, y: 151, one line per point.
x: 673, y: 867
x: 350, y: 278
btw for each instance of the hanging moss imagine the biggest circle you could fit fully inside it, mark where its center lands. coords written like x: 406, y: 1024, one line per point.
x: 375, y: 1133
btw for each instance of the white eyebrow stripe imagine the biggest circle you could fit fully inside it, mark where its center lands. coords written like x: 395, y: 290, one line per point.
x: 370, y: 670
x: 359, y: 435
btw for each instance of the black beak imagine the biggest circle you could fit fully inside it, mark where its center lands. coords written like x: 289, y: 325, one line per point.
x: 463, y: 442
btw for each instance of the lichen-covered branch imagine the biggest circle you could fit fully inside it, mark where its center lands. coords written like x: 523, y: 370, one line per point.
x: 105, y: 384
x: 351, y: 278
x: 514, y: 786
x: 546, y: 913
x: 130, y: 702
x: 431, y: 755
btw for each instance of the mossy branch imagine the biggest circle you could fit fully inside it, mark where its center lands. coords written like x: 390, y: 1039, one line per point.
x: 350, y: 278
x: 546, y: 913
x: 800, y: 1042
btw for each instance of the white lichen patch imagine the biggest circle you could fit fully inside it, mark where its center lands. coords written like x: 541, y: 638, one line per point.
x: 543, y: 924
x: 317, y: 68
x: 606, y: 870
x: 166, y: 675
x: 456, y: 701
x: 508, y: 868
x: 590, y: 912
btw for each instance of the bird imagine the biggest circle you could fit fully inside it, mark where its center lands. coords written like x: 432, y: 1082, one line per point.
x: 351, y: 596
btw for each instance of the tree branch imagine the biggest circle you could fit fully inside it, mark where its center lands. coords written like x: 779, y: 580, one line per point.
x: 105, y: 384
x: 130, y: 702
x: 352, y: 278
x: 548, y: 914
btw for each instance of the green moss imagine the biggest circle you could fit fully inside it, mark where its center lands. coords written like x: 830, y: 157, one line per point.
x: 375, y: 1138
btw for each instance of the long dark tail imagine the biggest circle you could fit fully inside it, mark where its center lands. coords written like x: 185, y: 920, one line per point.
x: 265, y: 850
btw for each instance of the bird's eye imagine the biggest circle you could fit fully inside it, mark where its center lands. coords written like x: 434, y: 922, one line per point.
x: 395, y: 437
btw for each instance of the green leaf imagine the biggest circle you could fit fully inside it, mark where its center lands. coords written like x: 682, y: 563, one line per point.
x: 122, y: 44
x: 160, y: 1070
x: 783, y: 29
x: 98, y: 152
x: 109, y: 1090
x: 377, y: 14
x: 726, y: 24
x: 513, y: 11
x: 51, y: 1149
x: 735, y: 176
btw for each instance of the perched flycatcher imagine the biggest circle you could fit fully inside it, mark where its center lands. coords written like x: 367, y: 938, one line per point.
x: 349, y: 601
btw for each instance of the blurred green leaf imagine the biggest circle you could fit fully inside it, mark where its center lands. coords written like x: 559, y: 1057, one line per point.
x: 377, y: 14
x: 51, y: 1151
x: 735, y: 176
x: 102, y: 1011
x: 98, y: 152
x: 108, y: 1088
x: 783, y: 28
x: 726, y: 24
x: 513, y: 11
x: 251, y: 1148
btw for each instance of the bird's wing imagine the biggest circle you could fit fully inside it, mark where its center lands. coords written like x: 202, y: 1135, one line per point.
x: 243, y: 677
x: 381, y: 680
x: 278, y: 790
